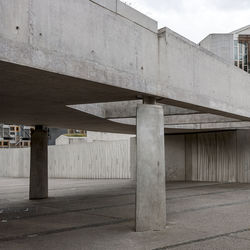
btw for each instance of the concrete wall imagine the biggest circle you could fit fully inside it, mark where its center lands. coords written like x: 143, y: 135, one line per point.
x: 215, y: 156
x: 110, y: 159
x: 221, y: 45
x: 221, y: 156
x: 91, y: 137
x: 87, y: 160
x: 175, y: 157
x: 15, y: 162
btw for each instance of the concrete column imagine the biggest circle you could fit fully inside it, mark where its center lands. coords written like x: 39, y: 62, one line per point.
x: 39, y: 163
x: 149, y: 100
x: 150, y: 189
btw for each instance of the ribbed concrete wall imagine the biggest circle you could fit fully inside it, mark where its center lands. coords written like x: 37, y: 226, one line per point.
x: 87, y: 160
x: 221, y: 156
x: 14, y: 162
x: 175, y: 157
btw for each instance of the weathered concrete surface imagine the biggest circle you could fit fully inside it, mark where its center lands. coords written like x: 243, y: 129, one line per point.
x: 125, y: 109
x: 206, y: 79
x: 221, y: 45
x: 87, y: 160
x: 46, y: 64
x: 220, y: 156
x: 87, y: 214
x: 175, y: 157
x: 39, y: 163
x: 150, y: 185
x: 211, y: 126
x: 217, y: 156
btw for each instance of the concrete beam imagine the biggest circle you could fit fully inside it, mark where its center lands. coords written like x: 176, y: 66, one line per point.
x: 150, y: 187
x: 210, y: 126
x: 124, y: 109
x: 39, y: 163
x: 196, y: 119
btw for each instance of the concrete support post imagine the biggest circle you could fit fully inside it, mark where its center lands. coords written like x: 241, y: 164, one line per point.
x: 149, y: 100
x: 39, y: 163
x: 150, y: 190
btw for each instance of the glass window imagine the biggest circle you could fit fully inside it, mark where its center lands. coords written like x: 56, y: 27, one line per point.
x: 240, y: 51
x: 236, y: 50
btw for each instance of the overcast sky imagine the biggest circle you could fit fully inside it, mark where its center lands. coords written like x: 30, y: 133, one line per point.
x: 195, y: 19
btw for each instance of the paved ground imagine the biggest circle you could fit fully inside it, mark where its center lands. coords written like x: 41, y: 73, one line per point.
x: 88, y: 214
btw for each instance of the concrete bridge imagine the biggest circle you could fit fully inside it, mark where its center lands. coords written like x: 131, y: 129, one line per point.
x: 100, y: 65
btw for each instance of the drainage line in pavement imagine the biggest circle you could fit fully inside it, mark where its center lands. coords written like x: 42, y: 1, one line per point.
x: 69, y: 211
x: 130, y: 204
x: 202, y: 239
x: 62, y: 230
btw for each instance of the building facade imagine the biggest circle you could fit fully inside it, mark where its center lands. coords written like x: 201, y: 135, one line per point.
x: 14, y: 136
x: 233, y: 47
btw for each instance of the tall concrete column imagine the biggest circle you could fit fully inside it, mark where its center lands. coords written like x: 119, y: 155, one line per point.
x: 150, y: 189
x: 39, y: 163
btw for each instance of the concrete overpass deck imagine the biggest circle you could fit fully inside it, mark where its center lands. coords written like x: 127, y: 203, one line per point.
x: 52, y: 56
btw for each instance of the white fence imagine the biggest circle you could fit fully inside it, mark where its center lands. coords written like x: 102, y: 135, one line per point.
x: 102, y: 159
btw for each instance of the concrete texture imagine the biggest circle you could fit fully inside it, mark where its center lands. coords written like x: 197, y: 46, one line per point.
x: 214, y: 156
x: 175, y: 157
x: 204, y: 75
x: 221, y: 45
x: 47, y: 64
x: 92, y: 137
x: 92, y: 215
x: 39, y: 163
x: 87, y: 160
x: 220, y: 156
x: 125, y: 109
x: 150, y: 181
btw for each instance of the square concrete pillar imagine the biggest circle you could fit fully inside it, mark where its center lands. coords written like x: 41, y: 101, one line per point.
x: 150, y: 189
x: 39, y: 163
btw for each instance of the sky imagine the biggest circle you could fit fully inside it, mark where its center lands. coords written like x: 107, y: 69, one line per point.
x: 195, y: 19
